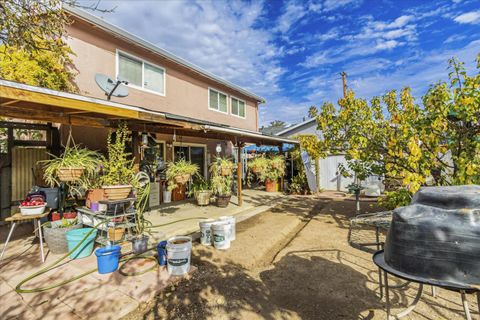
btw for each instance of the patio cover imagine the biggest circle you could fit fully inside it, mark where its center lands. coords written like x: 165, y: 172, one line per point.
x: 34, y: 103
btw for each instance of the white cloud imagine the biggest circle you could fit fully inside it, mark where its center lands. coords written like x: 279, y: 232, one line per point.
x: 293, y: 13
x: 386, y: 45
x: 374, y: 36
x: 330, y: 5
x: 455, y: 38
x: 222, y: 39
x: 472, y: 17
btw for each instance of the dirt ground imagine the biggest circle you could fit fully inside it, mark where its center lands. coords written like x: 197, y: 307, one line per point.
x: 311, y: 272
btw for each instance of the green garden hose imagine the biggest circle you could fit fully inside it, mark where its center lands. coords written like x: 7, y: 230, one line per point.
x: 19, y: 289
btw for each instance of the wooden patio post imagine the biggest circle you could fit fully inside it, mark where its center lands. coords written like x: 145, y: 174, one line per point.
x: 239, y: 174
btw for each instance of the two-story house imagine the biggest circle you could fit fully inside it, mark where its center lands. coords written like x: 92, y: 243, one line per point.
x: 174, y: 108
x: 159, y: 81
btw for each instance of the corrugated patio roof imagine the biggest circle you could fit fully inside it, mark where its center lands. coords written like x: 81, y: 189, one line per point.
x: 23, y: 101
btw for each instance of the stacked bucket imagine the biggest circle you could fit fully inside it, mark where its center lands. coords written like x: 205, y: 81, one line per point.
x: 219, y: 233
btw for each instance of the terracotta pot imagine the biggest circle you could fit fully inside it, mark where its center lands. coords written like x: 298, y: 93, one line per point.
x: 182, y: 179
x: 94, y: 195
x: 69, y: 174
x: 116, y: 234
x: 270, y: 186
x: 203, y: 197
x: 223, y: 201
x: 119, y: 192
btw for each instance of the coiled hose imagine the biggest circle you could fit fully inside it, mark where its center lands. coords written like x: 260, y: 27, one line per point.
x: 142, y: 255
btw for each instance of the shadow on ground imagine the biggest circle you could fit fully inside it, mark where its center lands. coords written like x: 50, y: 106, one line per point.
x: 296, y: 287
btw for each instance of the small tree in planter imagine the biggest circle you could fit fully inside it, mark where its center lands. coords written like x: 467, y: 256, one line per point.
x: 179, y: 173
x: 221, y: 184
x: 201, y: 190
x: 118, y: 177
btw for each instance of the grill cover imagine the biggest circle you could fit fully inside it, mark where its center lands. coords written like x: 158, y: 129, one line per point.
x: 438, y: 235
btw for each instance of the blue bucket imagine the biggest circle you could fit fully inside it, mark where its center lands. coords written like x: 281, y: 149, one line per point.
x: 162, y: 253
x: 107, y: 258
x: 74, y: 237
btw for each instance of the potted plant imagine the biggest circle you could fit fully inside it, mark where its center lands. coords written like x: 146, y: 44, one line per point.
x: 201, y: 190
x: 269, y: 170
x: 225, y: 166
x: 140, y: 240
x: 221, y: 184
x: 70, y: 166
x: 179, y: 173
x: 222, y: 187
x: 258, y: 165
x: 118, y: 170
x: 55, y: 234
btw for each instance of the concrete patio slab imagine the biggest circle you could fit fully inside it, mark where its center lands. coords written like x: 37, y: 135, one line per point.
x: 110, y: 296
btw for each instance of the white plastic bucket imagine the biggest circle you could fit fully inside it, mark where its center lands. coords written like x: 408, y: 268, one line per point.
x: 167, y: 196
x: 231, y: 221
x: 221, y: 235
x: 179, y: 251
x: 206, y: 231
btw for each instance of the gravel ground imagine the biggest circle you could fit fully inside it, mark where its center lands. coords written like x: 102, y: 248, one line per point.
x: 311, y: 274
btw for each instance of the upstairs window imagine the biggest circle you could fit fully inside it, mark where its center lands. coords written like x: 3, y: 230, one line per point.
x: 238, y: 107
x: 141, y: 74
x: 217, y: 101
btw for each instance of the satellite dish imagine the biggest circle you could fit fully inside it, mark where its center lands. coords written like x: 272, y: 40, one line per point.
x: 111, y: 87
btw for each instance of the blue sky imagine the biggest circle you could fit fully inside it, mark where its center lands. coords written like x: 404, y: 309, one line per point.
x: 292, y: 52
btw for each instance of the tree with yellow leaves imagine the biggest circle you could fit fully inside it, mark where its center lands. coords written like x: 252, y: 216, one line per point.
x: 437, y: 142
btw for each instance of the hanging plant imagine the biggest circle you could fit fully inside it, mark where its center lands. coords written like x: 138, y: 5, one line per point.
x: 74, y: 163
x: 179, y: 173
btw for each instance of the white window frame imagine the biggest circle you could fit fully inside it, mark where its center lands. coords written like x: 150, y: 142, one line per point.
x: 143, y: 61
x: 228, y: 98
x: 189, y: 144
x: 231, y: 105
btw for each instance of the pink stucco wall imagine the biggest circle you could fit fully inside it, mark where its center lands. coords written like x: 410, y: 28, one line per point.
x: 186, y: 91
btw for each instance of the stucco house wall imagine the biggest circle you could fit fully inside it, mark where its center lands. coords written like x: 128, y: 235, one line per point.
x: 186, y: 91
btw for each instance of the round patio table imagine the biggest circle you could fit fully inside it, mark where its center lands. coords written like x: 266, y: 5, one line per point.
x: 462, y: 288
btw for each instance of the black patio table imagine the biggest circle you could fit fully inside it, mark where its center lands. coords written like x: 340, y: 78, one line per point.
x: 462, y: 288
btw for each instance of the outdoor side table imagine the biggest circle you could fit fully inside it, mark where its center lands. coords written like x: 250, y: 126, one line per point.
x: 18, y: 217
x: 462, y: 288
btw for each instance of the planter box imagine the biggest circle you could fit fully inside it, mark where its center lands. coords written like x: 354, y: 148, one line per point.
x: 69, y: 174
x: 119, y: 192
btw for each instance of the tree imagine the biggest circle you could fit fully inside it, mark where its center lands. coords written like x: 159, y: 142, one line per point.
x: 48, y: 69
x: 315, y: 150
x: 32, y: 49
x: 405, y: 141
x: 277, y: 124
x: 36, y: 25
